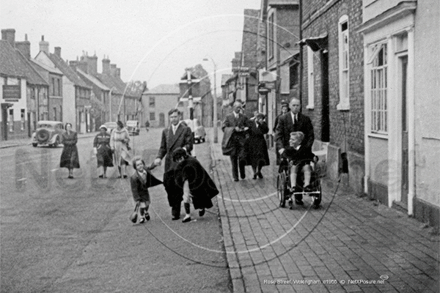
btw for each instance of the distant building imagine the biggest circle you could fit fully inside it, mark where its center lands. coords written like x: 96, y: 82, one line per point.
x: 157, y: 102
x: 54, y: 77
x: 76, y: 93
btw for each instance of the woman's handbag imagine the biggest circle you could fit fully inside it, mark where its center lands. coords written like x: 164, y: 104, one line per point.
x: 134, y: 215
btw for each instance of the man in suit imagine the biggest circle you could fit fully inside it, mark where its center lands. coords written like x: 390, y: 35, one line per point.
x: 177, y: 135
x: 237, y: 122
x: 291, y: 122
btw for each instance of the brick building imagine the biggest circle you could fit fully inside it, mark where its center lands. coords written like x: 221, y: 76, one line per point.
x: 332, y: 84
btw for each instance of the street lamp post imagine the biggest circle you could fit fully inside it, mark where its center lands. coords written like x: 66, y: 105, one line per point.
x: 214, y: 116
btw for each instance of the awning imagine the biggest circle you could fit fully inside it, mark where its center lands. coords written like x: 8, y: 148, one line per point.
x: 315, y: 43
x: 288, y: 59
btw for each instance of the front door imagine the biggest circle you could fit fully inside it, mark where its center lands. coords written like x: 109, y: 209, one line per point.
x: 161, y: 120
x: 325, y: 115
x: 405, y: 160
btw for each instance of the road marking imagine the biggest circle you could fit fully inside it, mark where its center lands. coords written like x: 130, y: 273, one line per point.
x: 22, y: 179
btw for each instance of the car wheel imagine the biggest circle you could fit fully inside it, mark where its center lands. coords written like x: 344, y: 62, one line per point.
x: 35, y: 145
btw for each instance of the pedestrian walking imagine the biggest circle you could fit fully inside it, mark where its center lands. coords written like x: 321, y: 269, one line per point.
x: 69, y: 156
x: 177, y: 135
x: 103, y: 151
x: 140, y: 181
x: 119, y: 144
x: 256, y: 145
x: 235, y: 128
x: 198, y: 187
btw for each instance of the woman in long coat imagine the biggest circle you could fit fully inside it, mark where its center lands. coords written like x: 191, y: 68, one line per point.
x: 256, y: 145
x: 118, y: 143
x: 103, y: 152
x: 198, y: 187
x: 69, y: 156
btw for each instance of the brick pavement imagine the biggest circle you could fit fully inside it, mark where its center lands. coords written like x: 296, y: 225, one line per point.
x: 349, y: 239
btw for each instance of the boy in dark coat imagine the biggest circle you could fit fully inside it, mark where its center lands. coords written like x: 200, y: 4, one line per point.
x: 140, y: 181
x: 198, y: 187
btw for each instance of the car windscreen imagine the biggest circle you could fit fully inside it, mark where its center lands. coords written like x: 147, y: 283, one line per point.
x: 45, y: 126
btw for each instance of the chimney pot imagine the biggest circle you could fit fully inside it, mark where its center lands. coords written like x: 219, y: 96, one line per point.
x: 44, y: 46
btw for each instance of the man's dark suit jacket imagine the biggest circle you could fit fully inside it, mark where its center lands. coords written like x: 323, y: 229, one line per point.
x: 237, y: 137
x: 170, y: 142
x: 285, y: 127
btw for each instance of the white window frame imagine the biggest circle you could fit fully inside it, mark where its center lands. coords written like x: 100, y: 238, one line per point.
x: 310, y: 79
x: 271, y: 35
x: 344, y: 64
x: 378, y: 88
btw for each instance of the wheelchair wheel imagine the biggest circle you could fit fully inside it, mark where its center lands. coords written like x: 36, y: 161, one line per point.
x: 281, y: 188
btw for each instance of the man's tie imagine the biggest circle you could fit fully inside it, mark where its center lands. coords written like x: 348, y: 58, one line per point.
x: 296, y: 119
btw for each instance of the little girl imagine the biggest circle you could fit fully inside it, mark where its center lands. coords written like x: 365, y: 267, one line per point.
x: 140, y: 181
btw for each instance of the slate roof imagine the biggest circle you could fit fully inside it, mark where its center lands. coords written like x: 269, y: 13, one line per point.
x: 47, y: 68
x: 164, y: 89
x: 13, y: 63
x: 67, y: 70
x: 93, y: 79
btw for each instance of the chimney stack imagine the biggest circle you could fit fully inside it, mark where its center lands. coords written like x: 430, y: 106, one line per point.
x: 44, y: 46
x: 118, y: 72
x: 9, y: 35
x: 106, y: 66
x: 73, y: 64
x: 113, y: 69
x: 24, y: 47
x: 57, y: 51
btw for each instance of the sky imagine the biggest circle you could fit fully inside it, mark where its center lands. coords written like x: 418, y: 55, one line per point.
x: 150, y: 40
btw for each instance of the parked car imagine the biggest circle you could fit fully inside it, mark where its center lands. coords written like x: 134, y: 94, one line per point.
x: 48, y: 133
x: 133, y: 127
x: 198, y: 130
x: 110, y: 126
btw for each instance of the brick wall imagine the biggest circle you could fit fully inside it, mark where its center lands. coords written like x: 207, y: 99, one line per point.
x: 351, y: 132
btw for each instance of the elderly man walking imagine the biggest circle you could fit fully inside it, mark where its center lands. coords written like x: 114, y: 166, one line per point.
x: 177, y: 135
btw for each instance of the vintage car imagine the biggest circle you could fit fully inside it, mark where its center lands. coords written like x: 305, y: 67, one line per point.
x: 133, y: 127
x: 110, y: 126
x: 197, y: 129
x: 48, y: 133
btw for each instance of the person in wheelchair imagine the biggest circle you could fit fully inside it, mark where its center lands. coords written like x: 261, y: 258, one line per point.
x: 299, y: 158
